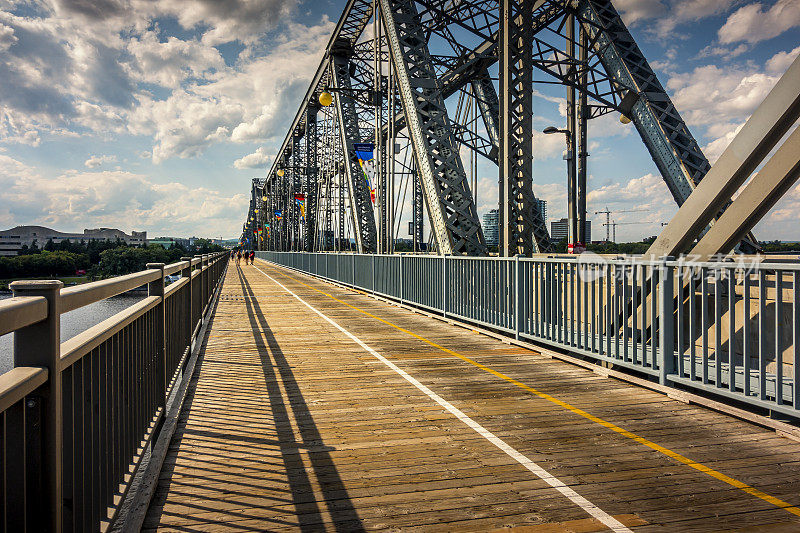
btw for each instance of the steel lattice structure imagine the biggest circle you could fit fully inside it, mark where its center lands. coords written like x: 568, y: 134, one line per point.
x: 419, y: 86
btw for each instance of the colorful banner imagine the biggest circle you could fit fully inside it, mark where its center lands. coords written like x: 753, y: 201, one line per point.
x: 300, y: 201
x: 279, y: 214
x: 365, y: 154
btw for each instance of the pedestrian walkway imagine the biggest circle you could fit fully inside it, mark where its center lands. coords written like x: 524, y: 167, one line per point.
x: 317, y: 408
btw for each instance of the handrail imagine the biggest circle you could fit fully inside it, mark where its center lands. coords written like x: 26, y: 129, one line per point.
x: 175, y: 267
x: 105, y: 388
x: 18, y: 383
x: 175, y: 286
x: 81, y: 295
x: 81, y: 344
x: 16, y: 313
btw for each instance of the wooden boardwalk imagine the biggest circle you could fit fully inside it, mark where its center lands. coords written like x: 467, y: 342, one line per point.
x: 291, y: 424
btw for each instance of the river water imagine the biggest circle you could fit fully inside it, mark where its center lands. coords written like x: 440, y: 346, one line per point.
x: 74, y: 322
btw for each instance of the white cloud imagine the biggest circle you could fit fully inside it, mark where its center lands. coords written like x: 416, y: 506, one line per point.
x: 171, y: 62
x: 778, y: 63
x: 229, y: 20
x: 633, y: 11
x: 231, y: 106
x: 7, y: 37
x: 782, y: 221
x: 257, y: 159
x: 719, y: 100
x: 646, y: 199
x: 670, y: 14
x: 754, y: 22
x: 98, y: 160
x: 78, y: 199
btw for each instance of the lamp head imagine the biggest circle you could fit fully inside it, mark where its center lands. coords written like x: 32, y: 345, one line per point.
x: 325, y: 98
x: 550, y: 129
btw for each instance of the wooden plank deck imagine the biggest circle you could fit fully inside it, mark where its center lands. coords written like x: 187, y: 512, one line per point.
x: 290, y: 424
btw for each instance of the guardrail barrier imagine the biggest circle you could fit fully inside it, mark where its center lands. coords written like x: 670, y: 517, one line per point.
x: 725, y: 328
x: 78, y: 415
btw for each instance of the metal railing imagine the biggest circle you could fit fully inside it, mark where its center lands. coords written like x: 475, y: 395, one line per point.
x: 726, y: 328
x: 78, y: 415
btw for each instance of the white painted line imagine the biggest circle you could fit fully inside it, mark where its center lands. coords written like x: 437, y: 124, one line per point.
x: 550, y: 479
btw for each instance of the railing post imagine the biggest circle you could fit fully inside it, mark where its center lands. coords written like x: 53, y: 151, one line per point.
x: 156, y: 288
x: 40, y: 345
x: 666, y: 362
x: 202, y: 275
x: 373, y: 273
x: 517, y: 299
x: 401, y: 279
x: 444, y: 285
x: 187, y: 301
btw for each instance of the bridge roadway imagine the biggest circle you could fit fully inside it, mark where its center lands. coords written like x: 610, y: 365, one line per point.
x: 317, y: 408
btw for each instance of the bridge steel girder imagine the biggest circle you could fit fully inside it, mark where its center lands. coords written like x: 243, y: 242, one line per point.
x: 489, y: 107
x: 673, y: 148
x: 363, y: 215
x: 311, y: 184
x: 524, y: 229
x: 451, y: 208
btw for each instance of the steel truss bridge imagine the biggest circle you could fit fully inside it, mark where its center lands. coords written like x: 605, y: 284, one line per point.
x: 426, y: 81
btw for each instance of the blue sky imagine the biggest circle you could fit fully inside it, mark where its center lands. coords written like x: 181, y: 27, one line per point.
x: 155, y: 115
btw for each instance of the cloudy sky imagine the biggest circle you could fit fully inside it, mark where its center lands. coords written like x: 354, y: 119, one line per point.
x: 154, y: 116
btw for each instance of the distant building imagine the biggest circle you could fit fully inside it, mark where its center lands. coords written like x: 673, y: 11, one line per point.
x: 491, y: 227
x: 167, y: 242
x: 12, y: 240
x: 542, y: 204
x: 559, y: 230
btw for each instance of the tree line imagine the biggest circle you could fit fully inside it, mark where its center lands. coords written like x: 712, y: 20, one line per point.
x: 100, y: 259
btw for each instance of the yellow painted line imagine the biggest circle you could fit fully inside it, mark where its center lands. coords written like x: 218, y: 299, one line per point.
x: 597, y: 420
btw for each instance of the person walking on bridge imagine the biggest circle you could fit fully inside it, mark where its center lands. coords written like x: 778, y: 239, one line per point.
x: 238, y: 256
x: 252, y: 257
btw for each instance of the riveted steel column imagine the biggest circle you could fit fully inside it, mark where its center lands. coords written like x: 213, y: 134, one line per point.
x: 523, y: 228
x: 363, y: 215
x: 311, y: 177
x: 580, y: 148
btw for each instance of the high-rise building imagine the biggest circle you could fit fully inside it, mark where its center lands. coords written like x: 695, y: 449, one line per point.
x: 491, y: 227
x: 542, y: 205
x: 559, y: 230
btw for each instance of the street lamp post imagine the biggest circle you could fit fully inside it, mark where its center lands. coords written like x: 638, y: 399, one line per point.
x: 573, y: 245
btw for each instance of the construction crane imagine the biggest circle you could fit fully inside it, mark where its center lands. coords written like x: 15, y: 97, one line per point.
x: 613, y: 227
x: 609, y: 224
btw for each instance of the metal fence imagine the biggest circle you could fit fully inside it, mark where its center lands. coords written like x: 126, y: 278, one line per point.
x: 78, y: 415
x: 728, y: 328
